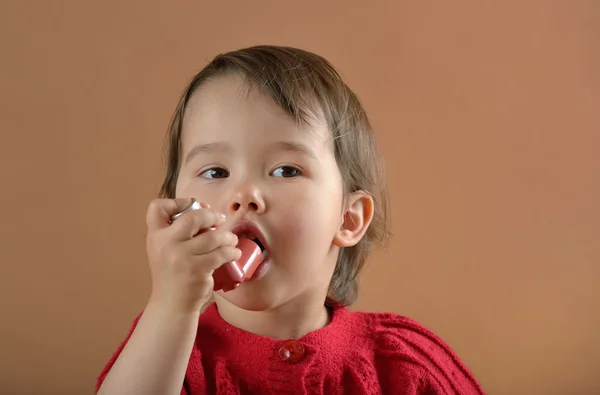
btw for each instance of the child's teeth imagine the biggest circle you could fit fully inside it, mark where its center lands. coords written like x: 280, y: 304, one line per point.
x: 265, y: 254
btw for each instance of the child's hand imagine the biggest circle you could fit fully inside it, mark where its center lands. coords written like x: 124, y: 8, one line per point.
x: 182, y: 264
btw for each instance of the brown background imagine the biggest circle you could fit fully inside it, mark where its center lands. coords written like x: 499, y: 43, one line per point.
x: 488, y: 116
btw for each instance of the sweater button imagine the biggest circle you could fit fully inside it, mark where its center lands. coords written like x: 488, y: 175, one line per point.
x: 291, y: 351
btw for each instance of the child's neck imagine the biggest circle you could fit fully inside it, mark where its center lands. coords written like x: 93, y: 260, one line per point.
x: 289, y: 321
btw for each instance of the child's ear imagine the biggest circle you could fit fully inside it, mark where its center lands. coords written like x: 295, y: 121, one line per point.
x: 356, y: 219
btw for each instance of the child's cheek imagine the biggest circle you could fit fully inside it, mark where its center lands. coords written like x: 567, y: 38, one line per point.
x: 299, y: 227
x: 293, y: 224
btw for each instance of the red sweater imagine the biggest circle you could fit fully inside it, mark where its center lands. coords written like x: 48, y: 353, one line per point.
x: 357, y: 353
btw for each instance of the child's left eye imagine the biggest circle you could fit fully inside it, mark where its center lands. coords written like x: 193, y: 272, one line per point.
x: 286, y: 172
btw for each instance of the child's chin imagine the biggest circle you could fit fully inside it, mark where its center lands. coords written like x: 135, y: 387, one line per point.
x: 251, y: 297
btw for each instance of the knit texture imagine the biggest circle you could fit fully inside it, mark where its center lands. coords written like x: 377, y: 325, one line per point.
x: 357, y: 353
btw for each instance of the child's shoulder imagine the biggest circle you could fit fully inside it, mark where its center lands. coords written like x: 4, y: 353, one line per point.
x: 400, y: 342
x: 389, y: 327
x: 398, y: 333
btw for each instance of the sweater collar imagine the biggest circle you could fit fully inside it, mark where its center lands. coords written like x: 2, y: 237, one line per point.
x: 212, y: 322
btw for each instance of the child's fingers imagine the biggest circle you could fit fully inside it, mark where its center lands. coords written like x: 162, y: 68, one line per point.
x: 192, y: 222
x: 209, y: 241
x: 160, y: 211
x: 208, y: 263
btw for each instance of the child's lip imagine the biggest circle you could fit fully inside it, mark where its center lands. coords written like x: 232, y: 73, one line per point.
x: 248, y: 227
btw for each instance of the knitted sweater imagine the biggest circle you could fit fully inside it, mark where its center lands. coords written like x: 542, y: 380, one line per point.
x: 357, y: 353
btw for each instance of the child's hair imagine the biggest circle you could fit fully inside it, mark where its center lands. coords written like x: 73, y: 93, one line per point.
x: 304, y: 85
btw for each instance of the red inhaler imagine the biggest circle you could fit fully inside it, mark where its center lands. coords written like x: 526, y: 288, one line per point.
x: 231, y: 274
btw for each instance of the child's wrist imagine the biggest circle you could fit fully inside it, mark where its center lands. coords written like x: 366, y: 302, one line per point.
x: 167, y: 309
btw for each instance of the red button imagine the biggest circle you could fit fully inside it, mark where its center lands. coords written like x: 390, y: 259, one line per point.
x: 291, y: 351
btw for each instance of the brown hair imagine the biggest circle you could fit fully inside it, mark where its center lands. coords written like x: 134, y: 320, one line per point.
x: 305, y: 84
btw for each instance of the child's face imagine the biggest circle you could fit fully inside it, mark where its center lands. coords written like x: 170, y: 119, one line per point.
x: 261, y: 166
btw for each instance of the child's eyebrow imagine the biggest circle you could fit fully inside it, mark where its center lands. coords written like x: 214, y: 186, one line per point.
x: 219, y: 146
x: 207, y: 149
x: 293, y: 147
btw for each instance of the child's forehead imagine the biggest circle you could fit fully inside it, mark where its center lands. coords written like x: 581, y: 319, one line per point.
x: 228, y: 107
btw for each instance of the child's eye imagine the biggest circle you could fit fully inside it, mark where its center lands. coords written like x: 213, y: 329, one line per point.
x: 215, y: 172
x: 286, y: 171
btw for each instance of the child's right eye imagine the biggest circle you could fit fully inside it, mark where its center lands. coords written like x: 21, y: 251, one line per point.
x: 215, y: 172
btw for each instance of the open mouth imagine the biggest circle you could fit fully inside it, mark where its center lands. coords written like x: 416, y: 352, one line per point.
x: 250, y: 232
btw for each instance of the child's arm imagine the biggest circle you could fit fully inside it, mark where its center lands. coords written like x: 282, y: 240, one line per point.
x: 155, y: 357
x: 415, y: 352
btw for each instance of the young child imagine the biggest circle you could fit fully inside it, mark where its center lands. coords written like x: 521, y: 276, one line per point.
x: 277, y: 148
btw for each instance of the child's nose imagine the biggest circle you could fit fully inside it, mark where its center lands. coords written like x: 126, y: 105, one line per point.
x: 249, y: 200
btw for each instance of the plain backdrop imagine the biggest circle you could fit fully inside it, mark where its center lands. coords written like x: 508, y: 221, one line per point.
x: 487, y: 113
